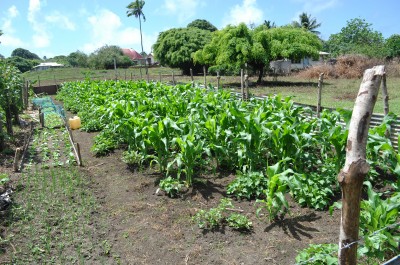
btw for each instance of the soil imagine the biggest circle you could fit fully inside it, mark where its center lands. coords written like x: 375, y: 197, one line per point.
x: 143, y: 227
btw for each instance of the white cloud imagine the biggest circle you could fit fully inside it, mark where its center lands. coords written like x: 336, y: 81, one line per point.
x: 13, y: 12
x: 106, y: 28
x: 60, y: 20
x: 183, y: 9
x: 41, y: 37
x: 247, y: 12
x: 10, y: 41
x: 317, y: 6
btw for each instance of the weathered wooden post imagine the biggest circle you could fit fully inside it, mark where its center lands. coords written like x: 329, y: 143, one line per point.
x: 159, y: 76
x: 320, y: 83
x: 141, y: 75
x: 16, y: 159
x: 173, y: 78
x: 352, y: 175
x: 38, y: 79
x: 385, y: 96
x: 78, y: 153
x: 218, y: 80
x: 242, y: 84
x: 191, y: 76
x: 148, y: 75
x: 205, y: 76
x: 131, y: 76
x: 246, y: 85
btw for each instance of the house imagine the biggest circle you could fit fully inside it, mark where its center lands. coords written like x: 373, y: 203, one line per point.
x: 134, y: 56
x: 286, y: 66
x: 45, y: 66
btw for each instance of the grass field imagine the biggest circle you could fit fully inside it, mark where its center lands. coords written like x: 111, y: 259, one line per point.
x: 337, y: 93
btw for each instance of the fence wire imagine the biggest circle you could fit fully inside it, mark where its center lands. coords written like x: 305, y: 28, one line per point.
x: 351, y: 244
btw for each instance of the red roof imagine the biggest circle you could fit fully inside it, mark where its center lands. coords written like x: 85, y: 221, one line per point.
x: 134, y: 55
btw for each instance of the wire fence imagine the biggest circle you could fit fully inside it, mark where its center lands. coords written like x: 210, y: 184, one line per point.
x: 359, y: 241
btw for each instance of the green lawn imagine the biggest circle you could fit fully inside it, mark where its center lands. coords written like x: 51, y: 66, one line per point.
x: 337, y: 93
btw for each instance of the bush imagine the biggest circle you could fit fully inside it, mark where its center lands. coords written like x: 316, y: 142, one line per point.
x: 223, y: 70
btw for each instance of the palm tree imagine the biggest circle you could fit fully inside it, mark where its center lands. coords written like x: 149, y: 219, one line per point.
x: 1, y: 33
x: 136, y: 9
x: 307, y: 22
x: 269, y: 24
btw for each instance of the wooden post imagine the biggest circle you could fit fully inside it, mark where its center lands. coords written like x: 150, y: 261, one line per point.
x: 205, y: 76
x: 41, y: 119
x: 191, y: 76
x: 246, y: 85
x: 385, y: 96
x: 352, y: 175
x: 159, y: 76
x: 78, y: 152
x: 16, y: 159
x: 131, y: 76
x: 147, y: 74
x: 55, y: 80
x: 38, y: 80
x: 173, y: 78
x: 1, y: 134
x: 320, y: 83
x: 242, y: 84
x: 125, y: 74
x: 218, y: 80
x: 141, y: 76
x: 115, y: 69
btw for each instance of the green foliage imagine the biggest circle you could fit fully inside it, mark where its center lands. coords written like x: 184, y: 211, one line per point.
x: 307, y: 22
x: 392, y: 45
x: 202, y: 24
x: 357, y: 37
x: 239, y: 222
x: 174, y: 47
x: 23, y: 53
x: 376, y: 214
x: 318, y: 254
x: 23, y: 64
x: 171, y: 186
x: 78, y: 59
x: 103, y: 58
x: 216, y: 217
x: 248, y: 185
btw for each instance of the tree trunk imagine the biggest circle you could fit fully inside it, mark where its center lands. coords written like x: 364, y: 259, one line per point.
x: 9, y: 120
x: 385, y: 96
x: 352, y: 175
x: 141, y: 43
x: 15, y: 113
x: 260, y: 74
x: 1, y: 134
x: 320, y: 82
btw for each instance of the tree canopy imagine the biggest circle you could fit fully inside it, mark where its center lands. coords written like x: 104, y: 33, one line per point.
x: 202, y: 24
x: 393, y: 46
x: 237, y: 45
x: 175, y: 47
x: 357, y: 37
x: 307, y: 22
x: 103, y: 58
x: 26, y: 54
x: 77, y: 59
x: 135, y: 9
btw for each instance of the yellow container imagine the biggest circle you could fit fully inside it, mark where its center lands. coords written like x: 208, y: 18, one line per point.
x: 74, y: 123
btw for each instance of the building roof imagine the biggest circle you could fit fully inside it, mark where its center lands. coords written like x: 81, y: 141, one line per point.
x: 131, y: 53
x: 49, y: 64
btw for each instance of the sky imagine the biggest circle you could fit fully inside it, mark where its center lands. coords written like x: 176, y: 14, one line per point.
x: 59, y: 27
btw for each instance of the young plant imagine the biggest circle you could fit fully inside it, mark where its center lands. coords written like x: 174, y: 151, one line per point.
x: 239, y: 222
x: 172, y: 187
x: 248, y: 185
x: 318, y: 254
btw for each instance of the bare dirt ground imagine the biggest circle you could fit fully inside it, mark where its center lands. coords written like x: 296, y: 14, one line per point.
x: 144, y: 228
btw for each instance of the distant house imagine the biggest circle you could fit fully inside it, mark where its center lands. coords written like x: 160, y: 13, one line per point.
x: 286, y: 66
x: 45, y: 66
x: 140, y: 59
x: 134, y: 55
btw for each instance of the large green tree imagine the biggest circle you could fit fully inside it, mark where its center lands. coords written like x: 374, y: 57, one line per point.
x: 135, y: 9
x: 307, y: 22
x: 175, y: 47
x: 103, y: 58
x: 23, y: 65
x: 238, y: 45
x: 202, y: 24
x: 78, y: 59
x: 24, y: 53
x: 357, y: 37
x: 393, y: 46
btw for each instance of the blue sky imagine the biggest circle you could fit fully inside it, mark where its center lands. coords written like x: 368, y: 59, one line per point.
x: 59, y: 27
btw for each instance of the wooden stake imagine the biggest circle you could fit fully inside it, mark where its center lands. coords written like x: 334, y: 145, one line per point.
x: 246, y: 85
x: 320, y: 83
x: 191, y: 76
x: 242, y: 84
x: 218, y: 80
x: 78, y: 152
x: 41, y: 119
x: 352, y: 175
x: 16, y: 159
x: 385, y: 96
x: 205, y: 76
x: 159, y: 76
x: 173, y: 78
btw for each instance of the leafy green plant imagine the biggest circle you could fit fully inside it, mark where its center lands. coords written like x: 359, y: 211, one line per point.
x: 248, y: 185
x: 318, y: 254
x: 171, y: 186
x: 239, y: 222
x: 218, y: 216
x: 377, y: 214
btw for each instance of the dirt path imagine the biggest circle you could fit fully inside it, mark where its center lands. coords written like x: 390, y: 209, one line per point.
x: 143, y: 228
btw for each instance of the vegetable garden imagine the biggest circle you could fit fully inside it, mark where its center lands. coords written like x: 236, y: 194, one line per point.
x: 276, y: 149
